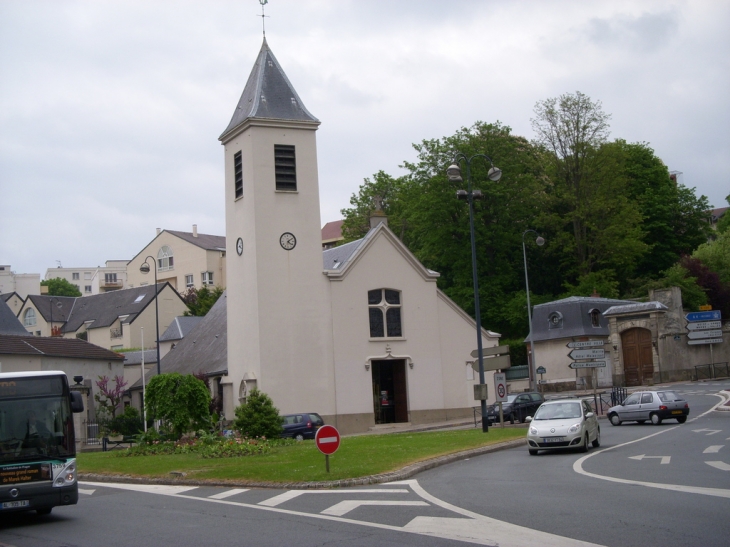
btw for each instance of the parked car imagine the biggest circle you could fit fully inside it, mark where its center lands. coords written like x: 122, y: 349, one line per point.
x: 301, y: 426
x: 563, y: 424
x: 516, y: 408
x: 655, y: 406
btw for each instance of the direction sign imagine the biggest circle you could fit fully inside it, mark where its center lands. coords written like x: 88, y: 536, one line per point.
x: 587, y: 354
x: 495, y: 350
x: 715, y: 315
x: 588, y: 364
x: 705, y: 341
x: 327, y: 439
x: 699, y: 334
x: 492, y: 363
x: 704, y: 325
x: 586, y: 344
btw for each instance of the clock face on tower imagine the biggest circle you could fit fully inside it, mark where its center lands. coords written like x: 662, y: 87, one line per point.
x: 288, y: 241
x: 239, y: 246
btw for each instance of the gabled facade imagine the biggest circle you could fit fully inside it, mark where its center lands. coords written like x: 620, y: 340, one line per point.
x: 14, y: 301
x: 183, y: 259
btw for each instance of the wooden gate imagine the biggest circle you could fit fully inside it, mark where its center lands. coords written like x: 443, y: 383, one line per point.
x: 638, y: 357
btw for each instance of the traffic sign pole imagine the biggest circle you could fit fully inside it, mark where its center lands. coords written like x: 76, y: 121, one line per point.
x: 327, y: 440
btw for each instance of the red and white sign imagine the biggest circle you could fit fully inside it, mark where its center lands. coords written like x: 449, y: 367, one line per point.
x: 327, y: 439
x: 500, y: 386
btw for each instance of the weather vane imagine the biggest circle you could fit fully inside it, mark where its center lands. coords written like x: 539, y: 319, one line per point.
x: 263, y: 24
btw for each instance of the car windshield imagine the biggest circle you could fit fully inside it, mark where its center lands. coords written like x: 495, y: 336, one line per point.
x: 558, y: 411
x: 668, y: 396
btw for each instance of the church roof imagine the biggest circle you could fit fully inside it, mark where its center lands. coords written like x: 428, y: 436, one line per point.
x: 268, y: 95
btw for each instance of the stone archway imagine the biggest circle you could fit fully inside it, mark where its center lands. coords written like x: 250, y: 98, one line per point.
x: 638, y: 357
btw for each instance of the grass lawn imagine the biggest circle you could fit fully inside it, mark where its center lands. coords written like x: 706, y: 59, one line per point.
x: 358, y: 456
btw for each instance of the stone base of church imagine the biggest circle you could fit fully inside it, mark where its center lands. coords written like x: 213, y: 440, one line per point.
x: 348, y: 424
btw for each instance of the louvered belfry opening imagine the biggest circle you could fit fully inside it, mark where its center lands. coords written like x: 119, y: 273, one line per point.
x: 238, y: 174
x: 285, y: 167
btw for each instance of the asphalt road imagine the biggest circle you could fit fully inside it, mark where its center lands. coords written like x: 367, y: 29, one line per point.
x: 677, y: 493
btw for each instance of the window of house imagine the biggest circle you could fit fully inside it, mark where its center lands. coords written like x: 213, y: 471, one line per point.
x: 87, y: 275
x: 29, y: 318
x: 384, y: 308
x: 285, y: 167
x: 595, y: 317
x: 110, y: 278
x: 207, y: 278
x: 164, y: 259
x: 189, y: 280
x: 555, y: 320
x: 238, y: 174
x: 75, y: 276
x: 87, y: 288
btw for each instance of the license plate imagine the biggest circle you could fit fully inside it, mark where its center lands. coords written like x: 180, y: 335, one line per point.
x: 553, y: 439
x: 14, y: 504
x: 676, y: 412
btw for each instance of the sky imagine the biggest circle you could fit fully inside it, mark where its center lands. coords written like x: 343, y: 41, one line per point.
x: 110, y: 110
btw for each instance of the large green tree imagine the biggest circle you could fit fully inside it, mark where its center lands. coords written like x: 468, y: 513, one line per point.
x: 199, y: 301
x: 60, y: 287
x: 182, y: 402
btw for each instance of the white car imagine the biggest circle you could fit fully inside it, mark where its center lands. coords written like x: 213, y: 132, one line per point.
x: 563, y: 424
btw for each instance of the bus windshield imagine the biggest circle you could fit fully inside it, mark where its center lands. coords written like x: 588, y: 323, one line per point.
x: 35, y: 419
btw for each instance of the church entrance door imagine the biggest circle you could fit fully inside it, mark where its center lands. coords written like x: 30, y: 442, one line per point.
x: 390, y: 396
x: 638, y: 356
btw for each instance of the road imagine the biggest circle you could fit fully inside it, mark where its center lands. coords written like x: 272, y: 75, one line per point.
x: 646, y: 485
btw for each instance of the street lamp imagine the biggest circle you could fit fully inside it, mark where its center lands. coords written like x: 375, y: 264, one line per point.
x: 454, y: 174
x: 540, y: 242
x: 145, y: 269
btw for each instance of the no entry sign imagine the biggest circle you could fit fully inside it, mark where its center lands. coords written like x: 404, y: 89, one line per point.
x: 327, y: 439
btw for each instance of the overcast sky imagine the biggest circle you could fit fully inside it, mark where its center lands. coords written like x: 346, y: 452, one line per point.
x: 110, y: 111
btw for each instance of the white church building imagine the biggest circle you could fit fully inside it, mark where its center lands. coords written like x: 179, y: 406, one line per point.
x: 358, y: 333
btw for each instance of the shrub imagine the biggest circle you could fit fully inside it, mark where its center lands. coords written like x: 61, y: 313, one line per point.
x: 258, y: 417
x: 182, y: 402
x: 128, y: 423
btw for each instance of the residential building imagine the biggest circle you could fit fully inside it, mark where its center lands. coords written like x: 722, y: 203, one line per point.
x: 93, y: 279
x: 22, y: 284
x: 332, y: 234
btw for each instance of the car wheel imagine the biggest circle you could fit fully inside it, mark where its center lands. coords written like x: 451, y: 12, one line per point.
x: 532, y: 452
x: 512, y: 419
x: 682, y: 419
x: 641, y: 422
x: 655, y: 419
x: 615, y: 420
x: 584, y: 448
x: 44, y: 511
x: 299, y: 437
x: 597, y: 441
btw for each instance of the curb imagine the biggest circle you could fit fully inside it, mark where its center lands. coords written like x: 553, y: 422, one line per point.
x: 401, y: 474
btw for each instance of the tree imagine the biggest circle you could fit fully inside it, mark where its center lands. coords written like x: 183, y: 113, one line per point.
x: 60, y: 287
x: 109, y: 398
x: 180, y: 401
x: 258, y: 417
x: 723, y: 225
x: 718, y: 293
x: 716, y: 255
x: 199, y: 301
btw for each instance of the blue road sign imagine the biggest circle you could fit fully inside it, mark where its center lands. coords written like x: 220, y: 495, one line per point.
x: 713, y: 315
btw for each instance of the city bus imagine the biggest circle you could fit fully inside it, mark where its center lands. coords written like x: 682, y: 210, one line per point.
x: 37, y: 441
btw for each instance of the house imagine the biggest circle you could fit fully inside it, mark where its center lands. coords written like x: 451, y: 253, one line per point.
x: 13, y: 300
x: 110, y: 320
x: 9, y: 323
x: 183, y: 259
x: 22, y: 284
x: 177, y: 330
x: 359, y: 333
x: 93, y: 279
x: 332, y: 234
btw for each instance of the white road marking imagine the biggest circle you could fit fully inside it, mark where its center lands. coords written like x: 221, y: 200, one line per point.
x: 228, y: 493
x: 346, y: 506
x: 87, y: 492
x: 291, y: 494
x: 665, y: 459
x: 709, y: 431
x: 714, y: 449
x: 149, y: 488
x: 578, y: 468
x: 722, y: 466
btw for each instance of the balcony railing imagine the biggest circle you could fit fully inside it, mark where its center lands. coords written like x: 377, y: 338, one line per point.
x: 111, y: 284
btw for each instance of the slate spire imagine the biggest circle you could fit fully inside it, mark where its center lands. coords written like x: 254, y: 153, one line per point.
x: 268, y: 95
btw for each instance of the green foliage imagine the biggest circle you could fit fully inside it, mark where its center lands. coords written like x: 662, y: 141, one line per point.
x: 205, y: 445
x: 258, y: 417
x: 182, y: 402
x: 716, y: 255
x: 693, y: 296
x: 128, y: 423
x: 602, y: 283
x: 723, y: 225
x: 60, y: 287
x: 199, y: 301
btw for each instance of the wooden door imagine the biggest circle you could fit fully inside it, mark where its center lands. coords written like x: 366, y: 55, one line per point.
x: 638, y: 356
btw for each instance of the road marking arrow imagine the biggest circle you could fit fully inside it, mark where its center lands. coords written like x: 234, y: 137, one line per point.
x: 710, y: 431
x: 713, y: 449
x: 722, y: 466
x: 665, y: 459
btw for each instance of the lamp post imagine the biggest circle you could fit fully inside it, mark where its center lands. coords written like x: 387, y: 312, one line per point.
x: 454, y: 174
x: 540, y: 242
x: 145, y: 269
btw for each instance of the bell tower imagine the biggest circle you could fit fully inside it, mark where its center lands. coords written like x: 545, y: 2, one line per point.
x: 279, y: 319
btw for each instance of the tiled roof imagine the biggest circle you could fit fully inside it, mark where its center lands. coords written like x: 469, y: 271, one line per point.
x: 180, y: 327
x: 332, y: 231
x: 135, y: 357
x: 204, y: 241
x: 268, y: 94
x: 576, y: 317
x: 9, y: 324
x: 54, y: 347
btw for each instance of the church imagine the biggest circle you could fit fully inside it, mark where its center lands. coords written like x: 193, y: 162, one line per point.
x: 358, y: 333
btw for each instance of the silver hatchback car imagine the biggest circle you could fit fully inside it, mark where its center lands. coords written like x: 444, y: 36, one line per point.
x: 654, y: 406
x: 563, y: 424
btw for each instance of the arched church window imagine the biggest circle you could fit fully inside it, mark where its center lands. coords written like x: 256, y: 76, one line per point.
x: 384, y: 308
x: 29, y: 317
x: 165, y: 259
x: 595, y: 317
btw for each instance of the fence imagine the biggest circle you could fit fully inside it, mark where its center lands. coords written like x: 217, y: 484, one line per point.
x: 89, y: 434
x: 709, y: 372
x: 518, y: 373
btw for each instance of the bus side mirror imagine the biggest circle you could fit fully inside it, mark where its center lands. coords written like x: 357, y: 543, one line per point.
x: 77, y: 402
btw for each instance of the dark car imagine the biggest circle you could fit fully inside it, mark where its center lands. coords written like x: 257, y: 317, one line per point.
x: 517, y: 407
x: 301, y: 426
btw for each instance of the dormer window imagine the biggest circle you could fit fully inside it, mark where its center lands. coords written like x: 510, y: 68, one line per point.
x: 555, y: 320
x: 595, y: 317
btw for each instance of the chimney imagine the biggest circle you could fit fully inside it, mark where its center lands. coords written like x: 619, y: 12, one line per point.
x: 378, y: 216
x: 159, y: 230
x: 195, y: 230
